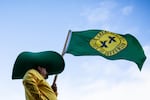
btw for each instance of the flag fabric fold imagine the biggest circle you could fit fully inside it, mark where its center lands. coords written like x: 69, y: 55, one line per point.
x: 107, y: 44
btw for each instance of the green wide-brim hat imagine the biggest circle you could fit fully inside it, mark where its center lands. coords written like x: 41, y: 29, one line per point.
x: 51, y: 60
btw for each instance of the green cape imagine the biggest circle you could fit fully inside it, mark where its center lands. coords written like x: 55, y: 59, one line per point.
x: 52, y: 61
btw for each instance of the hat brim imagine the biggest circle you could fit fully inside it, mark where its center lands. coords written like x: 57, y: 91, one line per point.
x: 52, y: 61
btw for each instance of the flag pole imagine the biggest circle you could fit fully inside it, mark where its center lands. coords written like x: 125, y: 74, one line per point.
x: 68, y: 35
x: 63, y: 52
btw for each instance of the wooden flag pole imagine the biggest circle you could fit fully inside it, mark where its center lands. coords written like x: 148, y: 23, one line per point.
x: 63, y: 52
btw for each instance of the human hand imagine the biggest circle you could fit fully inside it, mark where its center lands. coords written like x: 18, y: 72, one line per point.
x: 54, y: 87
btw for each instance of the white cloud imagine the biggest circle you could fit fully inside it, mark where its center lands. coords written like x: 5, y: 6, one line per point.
x: 127, y: 10
x: 107, y: 15
x: 101, y: 13
x: 109, y: 81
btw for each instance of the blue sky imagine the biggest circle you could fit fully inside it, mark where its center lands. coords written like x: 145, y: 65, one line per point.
x: 40, y: 25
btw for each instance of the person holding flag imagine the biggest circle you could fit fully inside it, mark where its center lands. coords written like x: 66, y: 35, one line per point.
x: 34, y: 69
x: 36, y: 87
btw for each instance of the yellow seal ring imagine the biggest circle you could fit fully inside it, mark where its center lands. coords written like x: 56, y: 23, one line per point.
x: 108, y: 43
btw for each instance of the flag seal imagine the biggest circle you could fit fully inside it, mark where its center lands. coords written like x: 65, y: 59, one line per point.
x: 108, y: 43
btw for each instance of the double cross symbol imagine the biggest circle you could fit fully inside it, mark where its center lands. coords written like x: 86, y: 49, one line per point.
x: 111, y: 39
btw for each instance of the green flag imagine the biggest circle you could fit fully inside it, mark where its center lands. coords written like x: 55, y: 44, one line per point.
x: 107, y: 44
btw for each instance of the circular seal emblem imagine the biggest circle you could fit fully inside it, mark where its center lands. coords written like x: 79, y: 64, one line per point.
x: 108, y: 43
